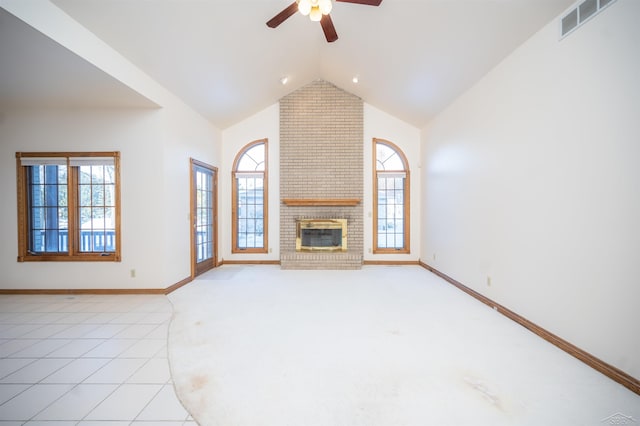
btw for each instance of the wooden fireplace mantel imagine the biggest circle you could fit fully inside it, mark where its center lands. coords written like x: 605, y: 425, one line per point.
x: 310, y: 202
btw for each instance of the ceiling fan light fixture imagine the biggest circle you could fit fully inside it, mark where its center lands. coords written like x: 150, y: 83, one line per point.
x: 304, y: 6
x: 315, y: 14
x: 325, y: 6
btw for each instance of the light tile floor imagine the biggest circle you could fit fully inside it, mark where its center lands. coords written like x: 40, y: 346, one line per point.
x: 87, y: 360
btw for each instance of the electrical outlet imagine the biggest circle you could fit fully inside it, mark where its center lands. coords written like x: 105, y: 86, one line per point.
x: 488, y: 281
x: 132, y: 273
x: 434, y: 256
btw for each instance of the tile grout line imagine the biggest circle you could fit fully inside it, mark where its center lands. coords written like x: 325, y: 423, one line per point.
x: 143, y: 317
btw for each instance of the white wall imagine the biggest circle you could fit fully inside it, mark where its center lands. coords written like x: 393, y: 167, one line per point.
x: 264, y: 124
x: 378, y: 124
x: 531, y: 178
x: 154, y: 199
x: 186, y: 136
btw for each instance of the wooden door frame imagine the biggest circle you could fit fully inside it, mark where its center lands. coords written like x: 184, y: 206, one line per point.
x: 193, y: 163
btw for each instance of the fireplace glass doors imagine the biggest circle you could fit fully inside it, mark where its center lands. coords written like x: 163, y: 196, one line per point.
x: 321, y: 235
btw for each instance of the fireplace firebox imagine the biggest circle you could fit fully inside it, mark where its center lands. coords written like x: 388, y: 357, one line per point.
x: 321, y: 235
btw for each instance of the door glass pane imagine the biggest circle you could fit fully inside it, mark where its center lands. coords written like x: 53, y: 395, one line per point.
x: 204, y: 214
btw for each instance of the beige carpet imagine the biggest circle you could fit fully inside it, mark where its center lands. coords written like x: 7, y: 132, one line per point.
x: 259, y: 346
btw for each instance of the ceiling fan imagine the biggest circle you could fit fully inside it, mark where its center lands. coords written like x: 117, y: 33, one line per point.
x: 318, y: 10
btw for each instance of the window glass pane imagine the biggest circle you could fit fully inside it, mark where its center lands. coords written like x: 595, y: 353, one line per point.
x: 97, y: 221
x: 47, y: 215
x: 62, y: 195
x: 110, y: 214
x: 85, y: 174
x: 37, y: 195
x: 63, y: 218
x: 383, y: 153
x: 109, y: 174
x: 97, y: 195
x: 399, y: 197
x: 387, y: 158
x: 110, y: 195
x: 390, y: 199
x: 97, y: 173
x: 85, y: 217
x: 37, y: 174
x: 250, y: 212
x: 85, y: 195
x: 51, y: 194
x: 399, y: 214
x: 97, y: 208
x: 63, y: 241
x: 252, y: 159
x: 37, y: 218
x: 85, y: 240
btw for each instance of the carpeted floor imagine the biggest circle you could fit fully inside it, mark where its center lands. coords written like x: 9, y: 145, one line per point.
x: 382, y: 346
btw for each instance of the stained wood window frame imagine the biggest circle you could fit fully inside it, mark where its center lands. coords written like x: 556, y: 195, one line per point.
x: 74, y: 253
x: 234, y: 200
x: 406, y: 249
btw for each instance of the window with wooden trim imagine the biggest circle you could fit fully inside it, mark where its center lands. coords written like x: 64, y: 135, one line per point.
x: 249, y: 201
x: 68, y: 206
x: 390, y: 199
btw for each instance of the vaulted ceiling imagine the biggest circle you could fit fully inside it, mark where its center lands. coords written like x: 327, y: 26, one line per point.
x: 412, y: 57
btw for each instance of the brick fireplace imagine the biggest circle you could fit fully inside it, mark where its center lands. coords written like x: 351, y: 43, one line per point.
x: 321, y: 172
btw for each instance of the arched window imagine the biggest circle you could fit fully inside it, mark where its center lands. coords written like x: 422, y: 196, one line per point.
x: 249, y: 177
x: 390, y: 199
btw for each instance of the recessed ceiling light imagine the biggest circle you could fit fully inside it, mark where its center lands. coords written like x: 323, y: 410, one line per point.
x: 355, y: 79
x: 284, y: 80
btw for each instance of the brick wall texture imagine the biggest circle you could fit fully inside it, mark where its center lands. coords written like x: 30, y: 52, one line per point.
x: 321, y: 156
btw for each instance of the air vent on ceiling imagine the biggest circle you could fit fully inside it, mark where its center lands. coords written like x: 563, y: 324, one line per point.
x: 580, y: 14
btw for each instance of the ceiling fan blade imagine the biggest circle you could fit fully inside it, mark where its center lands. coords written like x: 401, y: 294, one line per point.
x: 283, y: 16
x: 328, y: 28
x: 365, y: 2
